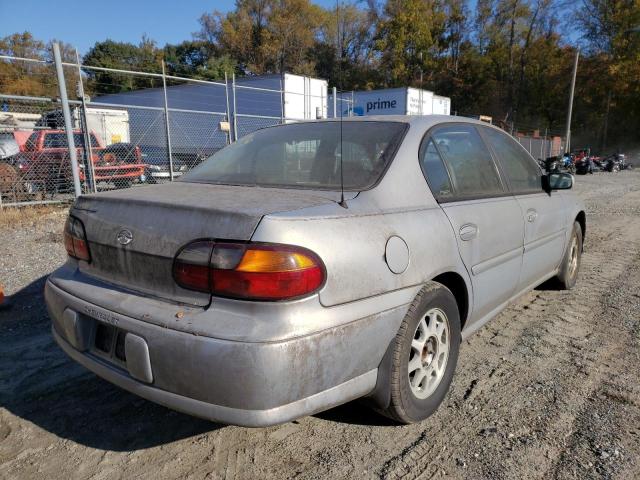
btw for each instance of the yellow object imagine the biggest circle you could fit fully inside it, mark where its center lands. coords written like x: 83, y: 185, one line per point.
x: 272, y: 261
x: 116, y: 138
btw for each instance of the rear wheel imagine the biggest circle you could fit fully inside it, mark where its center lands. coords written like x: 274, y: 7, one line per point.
x: 570, y: 266
x: 425, y: 353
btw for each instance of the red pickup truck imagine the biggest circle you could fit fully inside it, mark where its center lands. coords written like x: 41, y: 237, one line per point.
x: 45, y: 166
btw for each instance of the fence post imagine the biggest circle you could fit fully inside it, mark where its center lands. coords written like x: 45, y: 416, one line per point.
x: 85, y: 126
x: 62, y: 87
x: 226, y: 94
x: 166, y: 121
x: 335, y: 102
x: 281, y: 101
x: 233, y: 92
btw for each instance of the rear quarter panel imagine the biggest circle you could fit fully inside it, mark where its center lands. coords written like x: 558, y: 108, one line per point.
x: 352, y: 247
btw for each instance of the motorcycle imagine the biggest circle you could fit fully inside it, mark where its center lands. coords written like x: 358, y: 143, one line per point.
x: 568, y: 164
x: 611, y: 163
x: 624, y: 165
x: 550, y: 165
x: 584, y: 166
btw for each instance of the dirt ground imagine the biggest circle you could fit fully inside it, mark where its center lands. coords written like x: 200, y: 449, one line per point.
x: 549, y: 389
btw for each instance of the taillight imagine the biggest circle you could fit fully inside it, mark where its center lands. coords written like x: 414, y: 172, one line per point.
x: 253, y: 271
x: 75, y: 239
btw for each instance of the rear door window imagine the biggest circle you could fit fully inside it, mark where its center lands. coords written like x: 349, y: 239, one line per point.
x: 471, y: 168
x: 434, y: 171
x: 519, y: 167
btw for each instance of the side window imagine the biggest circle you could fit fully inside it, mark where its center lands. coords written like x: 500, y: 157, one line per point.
x: 55, y: 140
x: 523, y: 173
x: 434, y: 170
x: 31, y: 141
x: 473, y: 173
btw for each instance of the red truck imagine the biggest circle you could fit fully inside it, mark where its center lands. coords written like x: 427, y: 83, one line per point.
x: 45, y: 166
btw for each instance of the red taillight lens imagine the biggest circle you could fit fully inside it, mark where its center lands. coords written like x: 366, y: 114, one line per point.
x: 191, y: 267
x: 250, y: 271
x: 75, y: 239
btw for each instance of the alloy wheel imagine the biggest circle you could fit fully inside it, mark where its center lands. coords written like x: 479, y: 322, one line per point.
x: 429, y: 353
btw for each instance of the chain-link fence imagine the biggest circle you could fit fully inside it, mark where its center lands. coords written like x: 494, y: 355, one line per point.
x: 123, y: 128
x: 127, y: 128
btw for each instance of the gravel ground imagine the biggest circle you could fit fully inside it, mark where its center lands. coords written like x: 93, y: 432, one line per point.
x: 549, y: 389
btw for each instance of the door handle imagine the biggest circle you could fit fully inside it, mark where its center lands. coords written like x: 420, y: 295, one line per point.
x: 531, y: 216
x: 468, y: 232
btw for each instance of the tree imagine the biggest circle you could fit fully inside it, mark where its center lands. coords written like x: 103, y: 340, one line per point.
x: 346, y: 59
x: 265, y: 36
x: 144, y: 57
x: 26, y: 78
x: 198, y: 59
x: 408, y: 39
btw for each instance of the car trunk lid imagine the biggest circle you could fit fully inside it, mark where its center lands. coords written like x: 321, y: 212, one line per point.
x: 162, y: 219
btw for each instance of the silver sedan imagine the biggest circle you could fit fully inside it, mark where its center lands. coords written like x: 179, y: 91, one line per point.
x: 310, y: 264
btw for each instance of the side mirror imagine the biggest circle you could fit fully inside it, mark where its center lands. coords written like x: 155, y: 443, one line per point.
x: 557, y: 181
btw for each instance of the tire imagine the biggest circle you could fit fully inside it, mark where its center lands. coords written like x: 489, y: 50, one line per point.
x: 123, y: 183
x: 432, y: 317
x: 570, y: 266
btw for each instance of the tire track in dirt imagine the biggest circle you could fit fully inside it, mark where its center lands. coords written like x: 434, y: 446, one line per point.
x: 538, y: 351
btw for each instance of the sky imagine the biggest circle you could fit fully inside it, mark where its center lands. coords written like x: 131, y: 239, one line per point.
x: 82, y: 23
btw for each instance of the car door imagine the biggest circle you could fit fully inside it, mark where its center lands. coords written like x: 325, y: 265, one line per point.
x: 544, y: 214
x: 486, y: 219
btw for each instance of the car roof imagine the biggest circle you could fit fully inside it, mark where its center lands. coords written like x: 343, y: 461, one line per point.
x: 418, y: 120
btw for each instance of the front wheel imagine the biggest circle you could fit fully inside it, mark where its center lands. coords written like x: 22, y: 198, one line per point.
x: 424, y: 356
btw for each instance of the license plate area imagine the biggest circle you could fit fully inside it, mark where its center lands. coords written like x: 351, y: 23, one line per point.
x: 109, y: 343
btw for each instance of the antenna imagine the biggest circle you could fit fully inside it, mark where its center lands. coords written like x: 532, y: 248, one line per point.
x: 342, y: 201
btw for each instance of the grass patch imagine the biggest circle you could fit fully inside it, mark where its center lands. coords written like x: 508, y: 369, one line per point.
x: 20, y: 216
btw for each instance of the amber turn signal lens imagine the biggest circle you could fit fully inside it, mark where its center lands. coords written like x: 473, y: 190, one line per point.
x: 273, y: 261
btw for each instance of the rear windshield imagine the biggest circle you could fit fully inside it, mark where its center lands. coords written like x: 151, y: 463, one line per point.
x: 305, y: 155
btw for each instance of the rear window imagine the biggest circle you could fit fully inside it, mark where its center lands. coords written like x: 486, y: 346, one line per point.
x: 59, y: 140
x: 305, y: 155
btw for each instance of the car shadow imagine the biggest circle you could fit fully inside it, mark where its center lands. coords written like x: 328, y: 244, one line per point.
x: 358, y: 413
x: 40, y: 384
x: 550, y: 285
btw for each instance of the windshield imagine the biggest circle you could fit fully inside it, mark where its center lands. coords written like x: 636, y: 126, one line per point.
x: 305, y: 155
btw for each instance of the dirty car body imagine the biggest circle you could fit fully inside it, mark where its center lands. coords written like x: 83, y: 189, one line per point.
x: 156, y: 302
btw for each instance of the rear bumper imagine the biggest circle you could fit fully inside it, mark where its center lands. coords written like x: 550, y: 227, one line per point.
x: 349, y: 390
x: 251, y: 384
x: 156, y: 174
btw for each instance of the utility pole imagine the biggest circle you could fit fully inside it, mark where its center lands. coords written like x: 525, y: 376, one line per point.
x: 567, y: 147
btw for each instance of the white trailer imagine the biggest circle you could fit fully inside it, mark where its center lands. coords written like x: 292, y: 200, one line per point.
x: 398, y: 101
x: 109, y: 124
x: 441, y: 105
x: 305, y: 98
